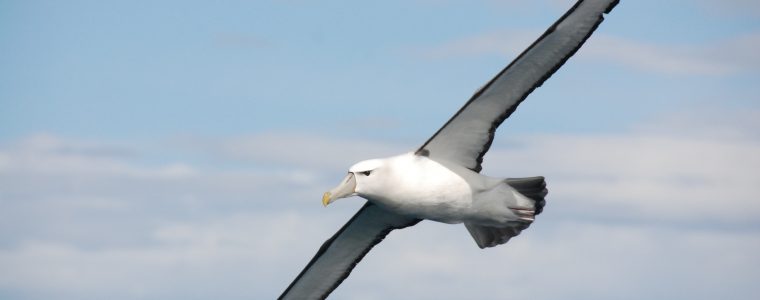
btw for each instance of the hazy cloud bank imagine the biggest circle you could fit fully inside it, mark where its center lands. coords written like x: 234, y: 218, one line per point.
x: 643, y: 213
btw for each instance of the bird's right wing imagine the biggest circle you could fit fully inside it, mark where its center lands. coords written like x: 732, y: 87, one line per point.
x: 340, y: 254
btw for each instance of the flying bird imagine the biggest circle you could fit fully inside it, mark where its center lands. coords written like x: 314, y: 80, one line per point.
x: 441, y: 180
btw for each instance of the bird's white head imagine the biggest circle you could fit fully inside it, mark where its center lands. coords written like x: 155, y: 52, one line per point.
x: 363, y: 178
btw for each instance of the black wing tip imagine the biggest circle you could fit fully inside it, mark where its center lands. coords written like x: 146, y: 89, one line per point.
x: 611, y: 6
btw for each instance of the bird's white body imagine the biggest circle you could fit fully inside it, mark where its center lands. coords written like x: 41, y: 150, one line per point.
x: 416, y: 186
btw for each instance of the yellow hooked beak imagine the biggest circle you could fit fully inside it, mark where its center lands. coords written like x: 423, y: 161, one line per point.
x: 346, y: 188
x: 326, y: 198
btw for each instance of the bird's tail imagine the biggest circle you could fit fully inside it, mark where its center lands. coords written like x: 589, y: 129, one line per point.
x: 533, y: 188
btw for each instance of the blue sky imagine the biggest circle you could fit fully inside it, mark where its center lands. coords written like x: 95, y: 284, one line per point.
x: 178, y: 149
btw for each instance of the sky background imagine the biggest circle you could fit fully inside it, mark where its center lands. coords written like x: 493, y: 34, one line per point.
x: 179, y: 149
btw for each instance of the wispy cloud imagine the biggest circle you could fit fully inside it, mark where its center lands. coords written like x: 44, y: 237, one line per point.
x: 720, y: 57
x: 732, y: 7
x: 506, y: 43
x: 240, y: 40
x: 293, y: 149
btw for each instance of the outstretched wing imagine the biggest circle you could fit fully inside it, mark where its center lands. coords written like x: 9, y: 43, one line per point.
x: 466, y: 137
x: 340, y: 254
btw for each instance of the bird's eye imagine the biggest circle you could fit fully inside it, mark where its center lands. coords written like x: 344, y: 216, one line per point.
x: 366, y: 173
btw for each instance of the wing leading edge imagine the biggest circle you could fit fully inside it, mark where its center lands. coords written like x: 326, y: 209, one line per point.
x: 466, y: 137
x: 340, y: 254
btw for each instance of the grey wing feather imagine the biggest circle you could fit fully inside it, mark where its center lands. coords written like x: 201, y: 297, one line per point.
x: 340, y: 254
x: 466, y: 137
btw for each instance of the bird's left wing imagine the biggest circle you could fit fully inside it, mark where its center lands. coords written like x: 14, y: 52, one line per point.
x: 340, y: 254
x: 466, y: 137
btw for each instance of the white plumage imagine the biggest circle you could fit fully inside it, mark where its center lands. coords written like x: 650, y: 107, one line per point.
x: 416, y: 186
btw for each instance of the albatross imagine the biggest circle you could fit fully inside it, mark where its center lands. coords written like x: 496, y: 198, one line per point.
x: 441, y: 180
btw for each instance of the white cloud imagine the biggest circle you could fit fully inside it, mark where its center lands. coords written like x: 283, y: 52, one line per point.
x: 50, y: 155
x: 672, y: 172
x: 666, y: 209
x: 568, y: 260
x: 211, y: 256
